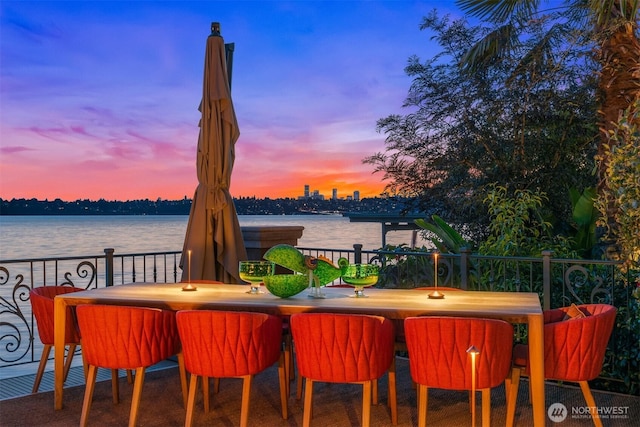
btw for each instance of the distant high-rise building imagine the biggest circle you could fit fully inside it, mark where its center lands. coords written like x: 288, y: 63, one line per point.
x: 306, y: 191
x: 356, y: 196
x: 334, y: 194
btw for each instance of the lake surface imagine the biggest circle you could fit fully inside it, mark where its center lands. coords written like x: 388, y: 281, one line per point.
x: 60, y: 236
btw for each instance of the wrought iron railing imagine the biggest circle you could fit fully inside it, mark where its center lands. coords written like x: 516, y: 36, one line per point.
x: 18, y: 332
x: 559, y: 282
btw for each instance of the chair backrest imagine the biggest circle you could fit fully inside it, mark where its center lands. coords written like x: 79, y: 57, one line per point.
x: 438, y: 351
x: 227, y: 343
x: 123, y: 337
x: 42, y: 306
x: 342, y: 347
x: 574, y: 349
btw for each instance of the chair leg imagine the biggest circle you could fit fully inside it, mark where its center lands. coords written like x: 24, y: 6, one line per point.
x: 288, y: 356
x: 392, y: 400
x: 85, y: 365
x: 374, y: 392
x: 486, y: 407
x: 366, y: 402
x: 507, y: 387
x: 183, y: 378
x: 299, y: 385
x: 512, y: 398
x: 67, y: 363
x: 308, y: 401
x: 88, y: 394
x: 43, y: 362
x: 191, y: 401
x: 246, y: 394
x: 129, y: 376
x: 135, y: 399
x: 287, y: 365
x: 205, y: 394
x: 284, y: 385
x: 422, y: 405
x: 115, y: 386
x: 591, y: 403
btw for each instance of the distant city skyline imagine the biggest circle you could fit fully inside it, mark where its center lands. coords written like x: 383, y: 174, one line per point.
x: 100, y: 99
x: 315, y: 194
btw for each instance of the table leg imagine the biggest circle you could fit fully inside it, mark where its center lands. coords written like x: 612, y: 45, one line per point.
x: 59, y: 320
x: 536, y: 363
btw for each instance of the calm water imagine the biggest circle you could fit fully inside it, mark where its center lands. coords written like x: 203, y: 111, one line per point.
x: 59, y: 236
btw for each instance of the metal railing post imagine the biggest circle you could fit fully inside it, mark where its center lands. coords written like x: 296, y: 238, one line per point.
x: 357, y: 255
x: 108, y: 266
x: 464, y: 267
x: 546, y: 279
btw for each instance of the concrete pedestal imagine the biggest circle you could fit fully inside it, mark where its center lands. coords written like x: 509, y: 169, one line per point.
x: 259, y: 239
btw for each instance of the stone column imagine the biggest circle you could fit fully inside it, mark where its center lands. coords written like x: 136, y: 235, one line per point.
x: 259, y: 239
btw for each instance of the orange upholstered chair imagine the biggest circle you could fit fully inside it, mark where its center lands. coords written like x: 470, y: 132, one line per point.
x: 401, y: 342
x: 205, y: 380
x: 122, y: 337
x: 42, y: 306
x: 226, y: 344
x: 575, y: 341
x: 344, y: 348
x: 286, y: 342
x: 438, y: 356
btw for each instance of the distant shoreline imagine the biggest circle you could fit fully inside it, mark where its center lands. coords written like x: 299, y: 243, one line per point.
x: 244, y: 206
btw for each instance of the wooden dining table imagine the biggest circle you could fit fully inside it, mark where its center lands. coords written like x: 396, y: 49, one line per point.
x: 513, y: 307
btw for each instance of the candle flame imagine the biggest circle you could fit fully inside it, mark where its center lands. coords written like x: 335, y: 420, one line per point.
x: 435, y: 276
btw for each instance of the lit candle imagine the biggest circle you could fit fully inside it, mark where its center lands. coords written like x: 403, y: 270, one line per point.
x: 189, y: 286
x: 435, y: 294
x: 189, y: 266
x: 435, y: 275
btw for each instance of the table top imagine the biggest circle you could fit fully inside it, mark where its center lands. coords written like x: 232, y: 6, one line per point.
x: 515, y: 307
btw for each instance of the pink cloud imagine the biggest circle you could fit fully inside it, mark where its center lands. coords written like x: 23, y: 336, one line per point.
x: 14, y: 149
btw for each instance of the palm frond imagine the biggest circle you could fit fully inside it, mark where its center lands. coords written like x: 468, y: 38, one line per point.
x: 541, y: 55
x: 608, y: 11
x: 499, y: 10
x: 488, y: 49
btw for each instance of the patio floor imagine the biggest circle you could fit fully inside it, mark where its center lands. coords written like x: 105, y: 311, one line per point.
x: 334, y: 404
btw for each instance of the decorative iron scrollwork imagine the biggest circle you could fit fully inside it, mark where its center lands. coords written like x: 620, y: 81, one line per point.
x: 14, y: 326
x: 577, y: 278
x: 84, y: 270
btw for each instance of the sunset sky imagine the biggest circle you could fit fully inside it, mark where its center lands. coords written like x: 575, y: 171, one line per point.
x: 99, y: 99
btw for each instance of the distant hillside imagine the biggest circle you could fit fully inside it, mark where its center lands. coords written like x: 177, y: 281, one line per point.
x: 244, y: 206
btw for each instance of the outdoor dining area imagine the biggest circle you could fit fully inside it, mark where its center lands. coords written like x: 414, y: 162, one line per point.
x: 300, y: 356
x: 306, y: 340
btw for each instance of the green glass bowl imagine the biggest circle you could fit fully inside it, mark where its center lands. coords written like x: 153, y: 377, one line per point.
x: 360, y: 274
x: 286, y: 285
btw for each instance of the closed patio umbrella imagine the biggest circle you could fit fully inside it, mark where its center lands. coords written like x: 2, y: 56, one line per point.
x: 213, y: 243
